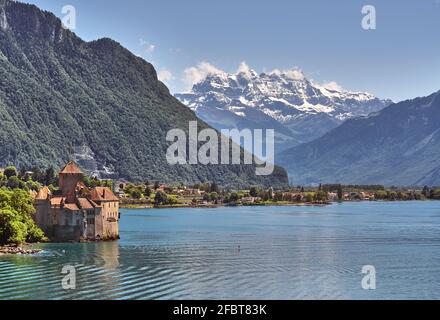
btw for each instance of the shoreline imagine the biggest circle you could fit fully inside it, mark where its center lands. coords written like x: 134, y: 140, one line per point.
x: 212, y: 206
x: 18, y: 250
x: 271, y: 204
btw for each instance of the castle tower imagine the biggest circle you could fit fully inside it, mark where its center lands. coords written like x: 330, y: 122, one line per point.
x: 69, y: 178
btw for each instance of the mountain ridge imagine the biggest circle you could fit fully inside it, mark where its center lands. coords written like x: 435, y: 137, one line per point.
x: 399, y: 145
x: 58, y: 92
x: 298, y: 109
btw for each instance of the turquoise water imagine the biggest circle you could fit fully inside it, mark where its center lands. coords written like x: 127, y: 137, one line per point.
x: 245, y: 253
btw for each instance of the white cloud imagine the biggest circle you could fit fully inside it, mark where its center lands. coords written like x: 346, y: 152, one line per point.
x: 142, y: 42
x: 149, y: 47
x: 196, y: 74
x: 243, y: 68
x: 332, y: 85
x: 293, y: 74
x: 165, y: 76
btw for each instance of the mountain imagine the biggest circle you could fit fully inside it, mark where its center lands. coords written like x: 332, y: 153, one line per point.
x: 62, y: 97
x: 399, y: 145
x: 298, y: 109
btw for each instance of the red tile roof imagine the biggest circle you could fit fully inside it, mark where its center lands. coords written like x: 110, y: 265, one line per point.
x: 43, y: 194
x: 56, y: 201
x: 71, y: 206
x: 71, y: 168
x: 103, y: 194
x: 85, y: 204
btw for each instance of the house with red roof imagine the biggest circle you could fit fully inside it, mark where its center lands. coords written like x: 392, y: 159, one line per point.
x: 76, y: 212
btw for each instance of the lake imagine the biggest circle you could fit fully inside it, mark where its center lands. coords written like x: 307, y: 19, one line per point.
x: 245, y: 253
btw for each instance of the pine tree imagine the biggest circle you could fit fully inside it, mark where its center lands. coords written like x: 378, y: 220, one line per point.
x: 340, y: 193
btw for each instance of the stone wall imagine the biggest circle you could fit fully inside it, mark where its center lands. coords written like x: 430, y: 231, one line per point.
x: 59, y: 233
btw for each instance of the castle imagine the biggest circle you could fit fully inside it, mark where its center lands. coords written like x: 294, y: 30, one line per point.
x: 76, y: 212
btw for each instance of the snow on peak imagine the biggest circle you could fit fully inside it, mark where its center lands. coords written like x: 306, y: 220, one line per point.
x: 286, y: 96
x: 245, y: 71
x: 292, y: 74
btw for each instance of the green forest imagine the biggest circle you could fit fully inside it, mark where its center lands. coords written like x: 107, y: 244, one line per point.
x: 17, y: 224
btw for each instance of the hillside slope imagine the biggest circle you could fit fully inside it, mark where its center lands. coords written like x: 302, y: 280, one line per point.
x: 59, y: 93
x: 399, y: 145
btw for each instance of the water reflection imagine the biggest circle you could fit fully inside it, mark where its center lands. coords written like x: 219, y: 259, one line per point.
x: 285, y: 253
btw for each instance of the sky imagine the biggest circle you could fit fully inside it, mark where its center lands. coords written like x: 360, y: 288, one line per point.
x: 185, y: 40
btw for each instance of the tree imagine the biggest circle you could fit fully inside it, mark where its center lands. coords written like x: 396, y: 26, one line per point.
x: 12, y: 230
x: 321, y: 196
x: 234, y: 197
x: 340, y: 193
x: 16, y: 218
x: 309, y: 196
x: 213, y: 196
x: 214, y: 187
x: 37, y: 175
x: 426, y: 192
x: 32, y: 185
x: 253, y: 192
x: 3, y: 180
x: 156, y: 185
x: 278, y: 196
x: 10, y: 171
x: 136, y: 193
x: 435, y: 194
x: 147, y: 191
x: 160, y: 198
x: 265, y: 196
x: 49, y: 176
x: 22, y: 174
x: 380, y: 195
x: 13, y: 182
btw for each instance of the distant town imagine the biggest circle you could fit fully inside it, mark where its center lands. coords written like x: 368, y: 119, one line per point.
x: 211, y: 195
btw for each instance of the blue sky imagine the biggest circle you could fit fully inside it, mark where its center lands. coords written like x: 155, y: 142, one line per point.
x: 398, y: 60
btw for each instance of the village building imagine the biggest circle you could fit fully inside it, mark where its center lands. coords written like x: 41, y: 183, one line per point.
x: 332, y: 196
x: 75, y: 212
x: 250, y: 200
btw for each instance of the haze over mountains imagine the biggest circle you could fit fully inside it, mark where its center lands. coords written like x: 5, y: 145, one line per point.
x: 298, y: 109
x: 399, y: 145
x: 60, y: 95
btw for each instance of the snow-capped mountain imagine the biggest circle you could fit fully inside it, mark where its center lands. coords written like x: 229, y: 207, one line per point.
x: 399, y: 145
x: 298, y: 109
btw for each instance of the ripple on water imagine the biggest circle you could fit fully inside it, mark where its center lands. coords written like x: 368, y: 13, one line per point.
x: 263, y: 253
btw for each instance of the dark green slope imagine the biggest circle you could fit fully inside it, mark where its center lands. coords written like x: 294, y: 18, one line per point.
x: 58, y: 92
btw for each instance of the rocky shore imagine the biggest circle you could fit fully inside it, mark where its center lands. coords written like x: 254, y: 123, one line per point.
x: 18, y: 250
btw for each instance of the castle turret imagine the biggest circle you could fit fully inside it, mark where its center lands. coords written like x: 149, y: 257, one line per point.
x: 70, y: 176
